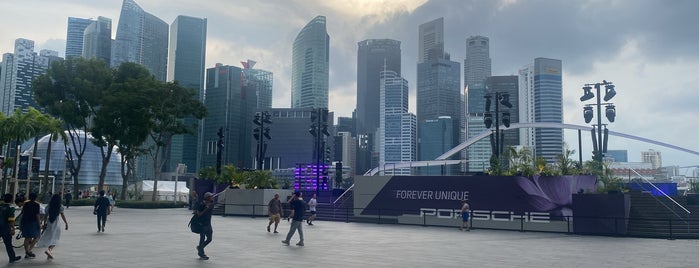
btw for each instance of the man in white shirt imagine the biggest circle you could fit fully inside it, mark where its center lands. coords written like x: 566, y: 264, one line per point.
x: 312, y: 205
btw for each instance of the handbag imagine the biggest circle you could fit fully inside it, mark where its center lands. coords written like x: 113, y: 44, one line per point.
x: 195, y: 224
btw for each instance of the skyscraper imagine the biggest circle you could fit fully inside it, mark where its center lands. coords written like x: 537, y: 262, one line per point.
x: 438, y: 83
x: 508, y: 84
x: 310, y: 66
x: 141, y: 38
x: 541, y: 100
x: 186, y: 66
x: 477, y: 67
x: 373, y: 56
x: 397, y: 128
x: 17, y: 73
x: 74, y: 38
x: 97, y: 40
x: 228, y: 105
x: 436, y: 134
x: 260, y: 82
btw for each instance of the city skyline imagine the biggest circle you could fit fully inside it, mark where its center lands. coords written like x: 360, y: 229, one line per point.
x: 632, y: 43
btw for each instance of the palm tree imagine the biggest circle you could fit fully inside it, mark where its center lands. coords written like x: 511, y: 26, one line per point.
x: 21, y: 126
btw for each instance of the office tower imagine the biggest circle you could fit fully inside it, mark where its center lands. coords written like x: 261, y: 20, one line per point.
x: 477, y: 67
x: 505, y: 85
x: 186, y: 66
x: 260, y: 82
x: 434, y: 141
x: 291, y: 141
x: 141, y: 38
x: 97, y: 40
x: 345, y: 146
x: 230, y: 108
x: 310, y: 66
x: 397, y: 127
x: 431, y: 38
x: 618, y: 156
x: 18, y: 71
x: 74, y: 38
x: 653, y: 157
x: 438, y: 85
x: 372, y: 56
x: 541, y: 100
x: 345, y: 124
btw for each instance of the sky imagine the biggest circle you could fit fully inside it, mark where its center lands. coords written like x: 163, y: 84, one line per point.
x: 649, y: 49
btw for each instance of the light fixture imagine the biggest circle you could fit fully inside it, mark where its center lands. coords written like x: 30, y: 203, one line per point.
x: 588, y: 114
x: 488, y: 120
x: 505, y: 100
x: 487, y: 102
x: 609, y: 92
x: 506, y: 119
x: 587, y: 93
x: 610, y: 111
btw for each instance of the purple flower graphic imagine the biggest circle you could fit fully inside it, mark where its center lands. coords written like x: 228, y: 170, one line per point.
x: 554, y: 194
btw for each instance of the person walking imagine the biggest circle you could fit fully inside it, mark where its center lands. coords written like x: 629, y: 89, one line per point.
x: 274, y: 209
x: 312, y: 205
x: 204, y: 215
x: 298, y: 208
x: 464, y: 216
x: 52, y: 230
x: 29, y: 224
x: 7, y: 226
x: 102, y: 206
x: 68, y: 197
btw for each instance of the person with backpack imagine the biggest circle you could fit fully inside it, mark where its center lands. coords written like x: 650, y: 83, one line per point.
x: 102, y: 206
x: 52, y: 230
x: 204, y: 217
x: 7, y: 226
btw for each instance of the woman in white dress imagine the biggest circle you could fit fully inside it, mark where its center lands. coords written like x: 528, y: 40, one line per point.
x: 52, y: 230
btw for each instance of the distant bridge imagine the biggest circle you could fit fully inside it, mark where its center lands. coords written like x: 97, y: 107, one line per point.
x: 442, y: 159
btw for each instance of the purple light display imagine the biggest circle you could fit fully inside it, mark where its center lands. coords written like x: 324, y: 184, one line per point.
x: 310, y: 177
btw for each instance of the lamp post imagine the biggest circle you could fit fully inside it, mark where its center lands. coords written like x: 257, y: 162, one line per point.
x: 319, y: 129
x: 497, y: 141
x: 599, y: 141
x: 260, y: 133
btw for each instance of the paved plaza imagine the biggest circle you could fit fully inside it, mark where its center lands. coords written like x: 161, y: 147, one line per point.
x: 160, y: 238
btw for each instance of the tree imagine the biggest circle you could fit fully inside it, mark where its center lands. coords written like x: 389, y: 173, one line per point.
x: 260, y: 179
x: 565, y: 165
x: 170, y: 104
x: 20, y: 127
x: 53, y: 127
x: 122, y: 119
x: 72, y: 90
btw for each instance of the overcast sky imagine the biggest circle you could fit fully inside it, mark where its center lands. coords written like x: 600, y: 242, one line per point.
x: 649, y: 49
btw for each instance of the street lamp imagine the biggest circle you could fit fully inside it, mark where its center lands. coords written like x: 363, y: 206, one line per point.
x: 497, y: 141
x: 599, y: 141
x: 319, y: 130
x: 261, y: 132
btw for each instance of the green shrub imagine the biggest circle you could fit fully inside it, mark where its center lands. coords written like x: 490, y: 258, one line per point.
x: 150, y: 204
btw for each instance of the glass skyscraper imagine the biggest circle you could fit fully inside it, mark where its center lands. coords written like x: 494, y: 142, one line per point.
x: 508, y: 84
x: 435, y: 137
x: 477, y: 67
x: 97, y: 40
x: 187, y: 52
x: 310, y: 66
x: 397, y: 129
x: 141, y: 38
x: 438, y: 84
x: 74, y: 37
x: 18, y: 71
x: 541, y: 89
x: 260, y: 82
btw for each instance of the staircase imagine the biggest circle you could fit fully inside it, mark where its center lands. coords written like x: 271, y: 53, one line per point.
x: 659, y: 217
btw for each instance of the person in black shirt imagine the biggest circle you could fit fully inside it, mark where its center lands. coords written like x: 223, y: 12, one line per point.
x: 7, y: 226
x: 204, y: 217
x: 298, y: 209
x: 68, y: 196
x: 102, y: 206
x: 31, y: 218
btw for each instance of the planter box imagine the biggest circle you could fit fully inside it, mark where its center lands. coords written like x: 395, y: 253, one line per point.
x: 601, y: 214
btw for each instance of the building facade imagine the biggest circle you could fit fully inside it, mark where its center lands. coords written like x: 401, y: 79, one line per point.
x: 74, y: 38
x: 435, y: 141
x: 477, y: 67
x: 97, y: 40
x: 310, y: 66
x: 397, y: 127
x: 541, y: 100
x: 431, y: 40
x: 502, y: 85
x: 187, y: 53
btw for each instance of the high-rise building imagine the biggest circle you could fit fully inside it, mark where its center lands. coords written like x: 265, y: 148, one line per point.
x: 541, y: 100
x: 17, y: 73
x: 653, y: 157
x: 310, y: 66
x: 505, y: 85
x: 230, y: 108
x: 436, y: 134
x: 97, y: 40
x: 141, y: 38
x: 438, y: 84
x: 260, y: 82
x: 291, y: 143
x: 619, y: 156
x: 74, y: 38
x: 431, y: 38
x: 373, y: 56
x: 186, y: 66
x: 477, y: 67
x: 345, y: 146
x: 397, y: 127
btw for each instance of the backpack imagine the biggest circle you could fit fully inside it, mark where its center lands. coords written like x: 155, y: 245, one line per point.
x: 4, y: 216
x: 195, y: 224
